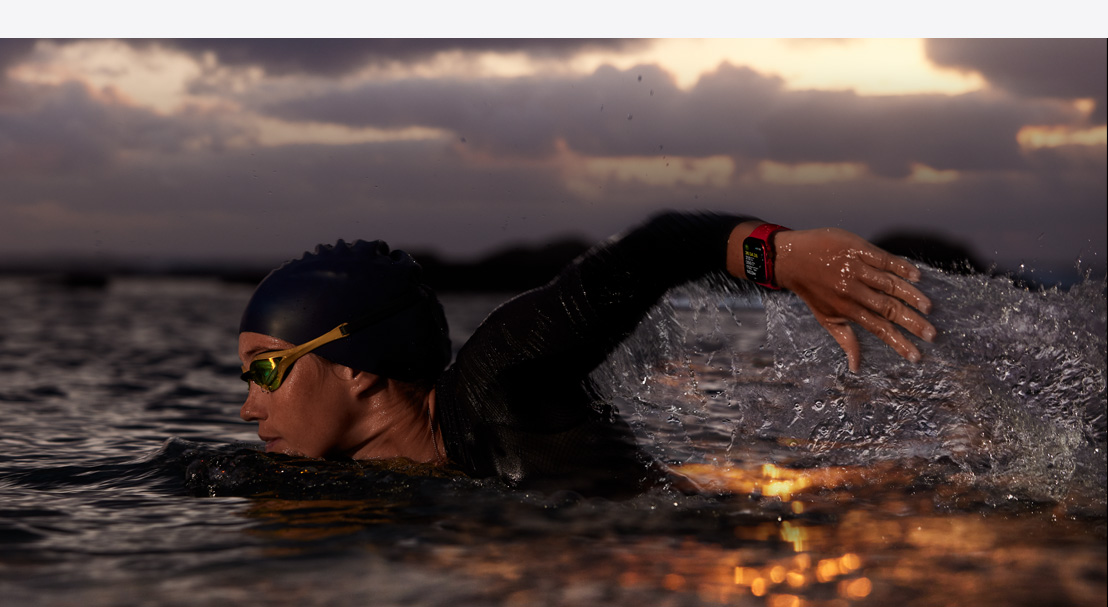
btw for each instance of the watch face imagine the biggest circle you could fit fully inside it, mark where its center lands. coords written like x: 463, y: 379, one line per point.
x: 754, y: 259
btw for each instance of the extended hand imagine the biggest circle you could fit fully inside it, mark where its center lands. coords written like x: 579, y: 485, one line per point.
x: 843, y: 279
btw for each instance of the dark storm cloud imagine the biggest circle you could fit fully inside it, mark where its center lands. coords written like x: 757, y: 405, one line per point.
x: 83, y: 171
x: 1067, y: 69
x: 967, y: 132
x: 64, y: 130
x: 243, y: 203
x: 12, y: 50
x: 274, y: 202
x: 504, y: 115
x: 733, y: 111
x: 332, y: 56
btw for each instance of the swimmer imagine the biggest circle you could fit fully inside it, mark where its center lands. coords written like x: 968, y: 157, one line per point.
x: 346, y: 351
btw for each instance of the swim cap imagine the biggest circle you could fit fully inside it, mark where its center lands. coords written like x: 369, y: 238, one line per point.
x: 306, y: 297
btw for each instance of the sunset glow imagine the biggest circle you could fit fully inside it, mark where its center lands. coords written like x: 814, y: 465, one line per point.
x: 1034, y: 137
x: 598, y: 133
x: 868, y: 67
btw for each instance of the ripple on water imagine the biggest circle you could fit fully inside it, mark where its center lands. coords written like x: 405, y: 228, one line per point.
x: 979, y: 474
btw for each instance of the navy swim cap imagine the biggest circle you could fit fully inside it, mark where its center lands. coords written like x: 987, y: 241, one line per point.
x: 307, y: 297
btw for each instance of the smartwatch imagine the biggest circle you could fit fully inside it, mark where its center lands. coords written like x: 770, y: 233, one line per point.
x: 759, y: 255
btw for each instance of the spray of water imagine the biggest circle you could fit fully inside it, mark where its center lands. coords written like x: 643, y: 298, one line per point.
x: 1010, y: 398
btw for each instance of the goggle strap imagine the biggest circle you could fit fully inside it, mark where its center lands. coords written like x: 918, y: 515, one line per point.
x: 347, y: 328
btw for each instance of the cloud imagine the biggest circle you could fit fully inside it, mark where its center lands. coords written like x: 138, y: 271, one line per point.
x: 526, y: 158
x: 1054, y: 68
x: 733, y: 111
x: 333, y: 56
x: 523, y: 115
x: 70, y: 129
x: 272, y: 202
x: 970, y: 132
x: 13, y: 50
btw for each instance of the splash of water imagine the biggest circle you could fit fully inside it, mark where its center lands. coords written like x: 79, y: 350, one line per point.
x: 1010, y: 397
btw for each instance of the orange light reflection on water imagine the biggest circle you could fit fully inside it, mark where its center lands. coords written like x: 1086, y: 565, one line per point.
x: 781, y: 581
x: 769, y: 480
x: 883, y: 543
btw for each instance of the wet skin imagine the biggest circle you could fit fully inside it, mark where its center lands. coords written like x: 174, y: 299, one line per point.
x: 323, y: 409
x: 844, y: 279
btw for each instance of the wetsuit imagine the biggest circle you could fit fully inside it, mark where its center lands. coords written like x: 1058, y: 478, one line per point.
x: 518, y: 403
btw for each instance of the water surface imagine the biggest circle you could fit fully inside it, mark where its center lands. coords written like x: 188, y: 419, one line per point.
x: 974, y: 478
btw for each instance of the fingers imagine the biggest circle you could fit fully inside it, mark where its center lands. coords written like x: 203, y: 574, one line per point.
x: 846, y: 339
x: 880, y: 306
x: 886, y: 332
x: 868, y: 304
x: 888, y: 262
x: 892, y: 309
x: 845, y: 279
x: 883, y: 329
x: 896, y: 287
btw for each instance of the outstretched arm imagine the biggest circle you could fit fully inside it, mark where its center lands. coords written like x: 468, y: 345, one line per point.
x: 844, y: 279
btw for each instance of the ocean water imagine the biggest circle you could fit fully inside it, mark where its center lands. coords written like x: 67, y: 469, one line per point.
x: 977, y: 477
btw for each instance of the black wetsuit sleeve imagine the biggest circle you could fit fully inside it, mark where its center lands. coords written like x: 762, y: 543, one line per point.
x: 518, y: 404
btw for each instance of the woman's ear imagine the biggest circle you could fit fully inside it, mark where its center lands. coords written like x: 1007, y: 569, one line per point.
x: 360, y: 383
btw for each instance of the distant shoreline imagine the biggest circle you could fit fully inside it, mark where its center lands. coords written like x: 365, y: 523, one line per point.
x: 517, y: 268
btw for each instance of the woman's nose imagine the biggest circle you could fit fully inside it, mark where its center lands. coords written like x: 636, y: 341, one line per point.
x: 252, y: 410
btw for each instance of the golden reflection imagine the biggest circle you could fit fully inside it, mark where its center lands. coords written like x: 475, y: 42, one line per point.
x: 790, y: 581
x: 777, y: 574
x: 855, y: 589
x: 794, y: 534
x: 888, y: 546
x: 849, y: 562
x: 783, y: 600
x: 745, y: 575
x: 770, y: 480
x: 827, y: 570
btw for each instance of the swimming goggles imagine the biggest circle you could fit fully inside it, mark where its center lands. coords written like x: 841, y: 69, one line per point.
x: 269, y: 369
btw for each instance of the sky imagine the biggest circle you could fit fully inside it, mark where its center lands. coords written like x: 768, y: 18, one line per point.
x: 254, y: 150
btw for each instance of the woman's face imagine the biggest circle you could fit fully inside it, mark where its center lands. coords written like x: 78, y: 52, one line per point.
x: 312, y: 413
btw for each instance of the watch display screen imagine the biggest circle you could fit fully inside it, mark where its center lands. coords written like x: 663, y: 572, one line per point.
x: 754, y: 259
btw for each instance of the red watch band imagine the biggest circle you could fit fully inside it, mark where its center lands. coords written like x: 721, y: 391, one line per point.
x: 763, y: 235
